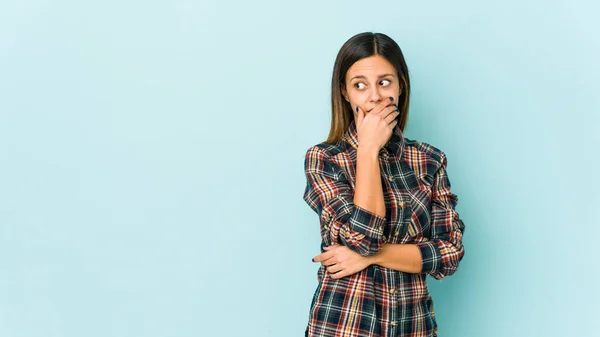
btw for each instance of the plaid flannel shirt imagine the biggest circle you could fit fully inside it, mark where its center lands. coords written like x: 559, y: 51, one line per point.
x: 420, y: 209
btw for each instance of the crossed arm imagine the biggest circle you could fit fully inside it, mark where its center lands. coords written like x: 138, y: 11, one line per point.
x: 354, y: 235
x: 341, y: 261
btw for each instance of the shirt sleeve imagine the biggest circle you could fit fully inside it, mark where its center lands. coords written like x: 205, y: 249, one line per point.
x: 330, y: 195
x: 444, y: 251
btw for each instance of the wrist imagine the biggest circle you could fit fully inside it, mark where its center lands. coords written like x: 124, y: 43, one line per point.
x: 374, y: 259
x: 366, y: 151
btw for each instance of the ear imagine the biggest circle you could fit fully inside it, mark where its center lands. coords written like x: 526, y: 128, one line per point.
x: 344, y: 93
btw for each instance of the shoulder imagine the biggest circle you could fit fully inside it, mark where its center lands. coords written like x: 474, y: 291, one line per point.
x: 325, y: 150
x: 417, y: 150
x: 322, y: 159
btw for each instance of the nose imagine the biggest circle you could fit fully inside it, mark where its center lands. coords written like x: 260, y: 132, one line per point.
x: 375, y: 96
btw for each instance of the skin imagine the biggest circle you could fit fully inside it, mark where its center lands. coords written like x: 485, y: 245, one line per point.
x: 371, y: 85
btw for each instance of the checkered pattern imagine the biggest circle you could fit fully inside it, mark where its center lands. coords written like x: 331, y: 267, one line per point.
x: 420, y: 209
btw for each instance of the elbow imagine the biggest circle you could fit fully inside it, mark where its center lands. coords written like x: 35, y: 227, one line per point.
x: 450, y: 266
x: 447, y: 271
x: 363, y: 232
x: 440, y: 258
x: 362, y: 244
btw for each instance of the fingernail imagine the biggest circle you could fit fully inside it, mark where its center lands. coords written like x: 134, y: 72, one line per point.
x: 313, y: 260
x: 396, y: 105
x: 391, y: 99
x: 356, y: 109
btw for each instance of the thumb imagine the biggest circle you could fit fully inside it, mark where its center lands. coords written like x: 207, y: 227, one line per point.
x: 360, y: 115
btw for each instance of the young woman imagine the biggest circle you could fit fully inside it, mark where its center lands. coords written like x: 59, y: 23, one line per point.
x: 387, y: 216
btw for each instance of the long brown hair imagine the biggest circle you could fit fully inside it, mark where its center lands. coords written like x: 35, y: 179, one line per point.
x: 358, y: 47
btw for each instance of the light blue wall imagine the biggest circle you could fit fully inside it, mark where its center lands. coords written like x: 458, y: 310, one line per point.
x: 151, y: 160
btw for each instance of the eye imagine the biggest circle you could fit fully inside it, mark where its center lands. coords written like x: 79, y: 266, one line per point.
x: 385, y: 83
x: 359, y: 85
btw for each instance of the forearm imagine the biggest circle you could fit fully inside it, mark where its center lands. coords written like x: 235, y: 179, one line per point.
x: 368, y: 192
x: 402, y: 257
x: 330, y: 195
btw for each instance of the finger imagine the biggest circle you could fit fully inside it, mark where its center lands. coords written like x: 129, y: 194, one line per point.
x: 329, y: 262
x: 339, y: 275
x: 360, y: 115
x: 392, y: 117
x: 322, y: 257
x: 334, y: 268
x: 385, y: 105
x: 390, y: 110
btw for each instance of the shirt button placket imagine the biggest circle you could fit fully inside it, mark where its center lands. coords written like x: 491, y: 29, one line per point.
x: 393, y: 325
x: 393, y: 313
x: 401, y: 205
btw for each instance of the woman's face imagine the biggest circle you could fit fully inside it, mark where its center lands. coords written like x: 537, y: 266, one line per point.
x: 370, y: 80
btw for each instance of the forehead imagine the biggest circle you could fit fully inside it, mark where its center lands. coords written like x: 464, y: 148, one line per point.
x: 371, y: 66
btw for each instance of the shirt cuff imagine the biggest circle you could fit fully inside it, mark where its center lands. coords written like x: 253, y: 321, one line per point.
x: 432, y: 259
x: 366, y: 222
x: 364, y: 232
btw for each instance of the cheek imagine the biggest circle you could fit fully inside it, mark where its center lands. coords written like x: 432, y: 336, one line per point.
x: 358, y: 98
x: 393, y: 90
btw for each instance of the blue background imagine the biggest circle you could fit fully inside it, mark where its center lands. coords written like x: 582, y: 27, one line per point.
x: 151, y: 161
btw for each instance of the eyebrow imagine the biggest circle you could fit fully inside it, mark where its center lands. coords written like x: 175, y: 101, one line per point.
x: 364, y: 77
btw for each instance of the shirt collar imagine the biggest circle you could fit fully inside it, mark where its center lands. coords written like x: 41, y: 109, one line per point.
x: 395, y: 146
